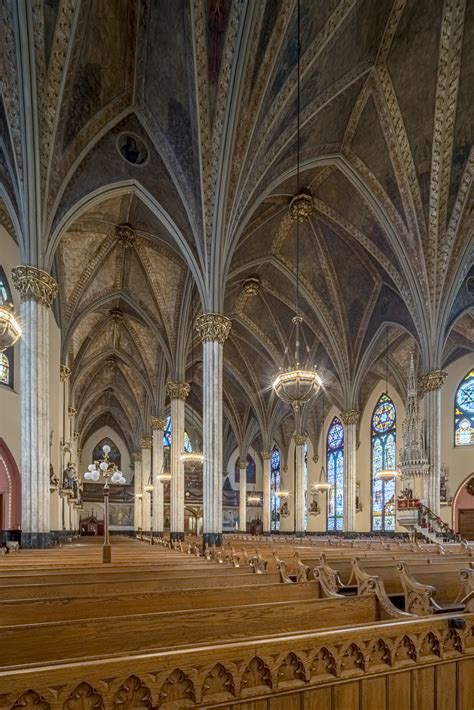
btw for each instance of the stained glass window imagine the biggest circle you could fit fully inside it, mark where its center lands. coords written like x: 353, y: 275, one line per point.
x: 383, y: 448
x: 187, y: 445
x: 464, y: 411
x: 251, y: 471
x: 6, y: 357
x: 335, y: 474
x: 5, y: 293
x: 275, y: 486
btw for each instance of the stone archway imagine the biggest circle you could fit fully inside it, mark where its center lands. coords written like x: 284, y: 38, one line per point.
x: 10, y: 489
x: 463, y: 507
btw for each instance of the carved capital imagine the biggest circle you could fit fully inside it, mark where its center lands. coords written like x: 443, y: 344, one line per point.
x: 71, y: 411
x: 137, y: 456
x: 64, y: 372
x: 430, y: 381
x: 158, y: 423
x: 34, y: 284
x: 213, y: 327
x: 242, y: 465
x: 77, y: 435
x: 251, y: 286
x: 146, y: 443
x: 350, y: 416
x: 177, y: 390
x: 266, y: 455
x: 299, y: 439
x: 126, y: 235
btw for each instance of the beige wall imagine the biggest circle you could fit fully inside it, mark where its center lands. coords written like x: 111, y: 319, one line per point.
x: 91, y: 443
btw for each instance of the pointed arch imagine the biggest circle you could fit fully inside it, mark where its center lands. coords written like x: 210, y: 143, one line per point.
x: 10, y: 489
x: 383, y: 448
x: 335, y: 474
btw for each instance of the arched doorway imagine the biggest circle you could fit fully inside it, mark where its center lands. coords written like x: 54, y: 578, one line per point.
x: 463, y: 508
x: 10, y: 490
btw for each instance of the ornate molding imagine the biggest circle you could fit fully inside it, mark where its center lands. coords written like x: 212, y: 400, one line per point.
x: 177, y: 390
x: 125, y: 234
x: 146, y: 443
x: 64, y: 372
x: 213, y: 327
x: 266, y: 455
x: 430, y: 381
x: 158, y: 423
x: 71, y: 411
x: 301, y: 206
x: 137, y: 456
x: 34, y: 284
x: 77, y: 435
x: 299, y: 439
x: 242, y: 465
x: 350, y: 416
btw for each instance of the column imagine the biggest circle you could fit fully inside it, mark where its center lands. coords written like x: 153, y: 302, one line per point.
x: 137, y: 490
x: 430, y: 384
x: 267, y: 499
x: 243, y: 496
x: 350, y: 419
x: 146, y: 480
x: 37, y: 290
x: 158, y: 425
x: 177, y: 392
x: 214, y: 330
x: 299, y: 493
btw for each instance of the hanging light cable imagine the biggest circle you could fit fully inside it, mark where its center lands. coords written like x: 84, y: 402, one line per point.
x: 296, y: 382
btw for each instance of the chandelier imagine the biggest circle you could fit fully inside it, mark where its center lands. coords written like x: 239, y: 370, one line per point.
x: 10, y: 330
x: 106, y: 468
x: 297, y: 382
x: 387, y: 474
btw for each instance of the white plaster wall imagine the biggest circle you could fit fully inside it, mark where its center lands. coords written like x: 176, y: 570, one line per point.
x: 251, y: 512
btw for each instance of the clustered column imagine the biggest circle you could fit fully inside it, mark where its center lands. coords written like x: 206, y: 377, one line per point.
x: 158, y: 426
x: 146, y: 479
x: 243, y: 495
x: 300, y: 441
x: 177, y: 392
x: 214, y: 330
x: 267, y: 503
x: 350, y: 419
x: 430, y: 384
x: 37, y: 290
x: 138, y: 490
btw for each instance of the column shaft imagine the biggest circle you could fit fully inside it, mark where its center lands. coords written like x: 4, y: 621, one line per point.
x: 146, y: 471
x: 177, y: 469
x: 137, y: 489
x: 212, y: 442
x: 243, y: 496
x: 158, y: 497
x: 350, y: 477
x: 432, y: 401
x: 266, y: 516
x: 300, y: 487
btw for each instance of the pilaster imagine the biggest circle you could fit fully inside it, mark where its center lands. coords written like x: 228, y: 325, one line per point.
x: 430, y: 384
x: 138, y: 491
x: 267, y: 472
x: 243, y: 495
x: 146, y: 480
x: 350, y: 419
x: 158, y: 426
x: 300, y: 441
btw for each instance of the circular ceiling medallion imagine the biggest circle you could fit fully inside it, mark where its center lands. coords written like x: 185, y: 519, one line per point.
x: 470, y: 285
x: 132, y: 149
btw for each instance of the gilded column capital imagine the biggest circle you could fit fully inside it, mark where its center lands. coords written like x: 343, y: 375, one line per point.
x: 266, y: 455
x: 177, y: 390
x: 213, y: 327
x: 350, y: 416
x: 242, y: 465
x: 158, y: 423
x: 64, y: 372
x: 137, y: 456
x: 77, y: 435
x: 71, y: 411
x: 430, y: 381
x: 299, y: 439
x: 146, y: 443
x: 34, y: 284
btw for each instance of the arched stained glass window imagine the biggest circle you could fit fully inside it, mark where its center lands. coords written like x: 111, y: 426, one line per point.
x: 187, y: 445
x: 6, y: 357
x: 464, y: 411
x: 335, y: 474
x: 5, y: 293
x: 275, y: 486
x: 4, y: 369
x: 383, y: 449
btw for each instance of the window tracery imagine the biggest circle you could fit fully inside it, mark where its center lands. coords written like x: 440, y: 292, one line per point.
x: 275, y: 481
x: 335, y: 474
x: 464, y: 411
x: 383, y: 455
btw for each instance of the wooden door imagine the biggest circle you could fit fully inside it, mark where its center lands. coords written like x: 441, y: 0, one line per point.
x: 466, y: 523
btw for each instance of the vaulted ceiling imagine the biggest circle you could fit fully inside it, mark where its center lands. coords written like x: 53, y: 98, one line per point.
x: 163, y: 137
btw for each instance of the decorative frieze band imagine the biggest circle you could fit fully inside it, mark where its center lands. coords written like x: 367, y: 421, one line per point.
x: 158, y: 423
x: 213, y: 327
x: 146, y: 443
x: 177, y: 390
x: 350, y: 416
x: 34, y: 284
x: 430, y: 381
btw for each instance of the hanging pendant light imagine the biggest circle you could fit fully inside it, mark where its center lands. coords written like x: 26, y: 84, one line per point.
x: 387, y: 474
x: 297, y: 382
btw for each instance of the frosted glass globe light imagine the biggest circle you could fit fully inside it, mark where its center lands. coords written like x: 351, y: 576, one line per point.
x: 95, y: 475
x: 106, y: 449
x: 103, y: 466
x: 88, y: 476
x: 123, y: 481
x: 91, y: 467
